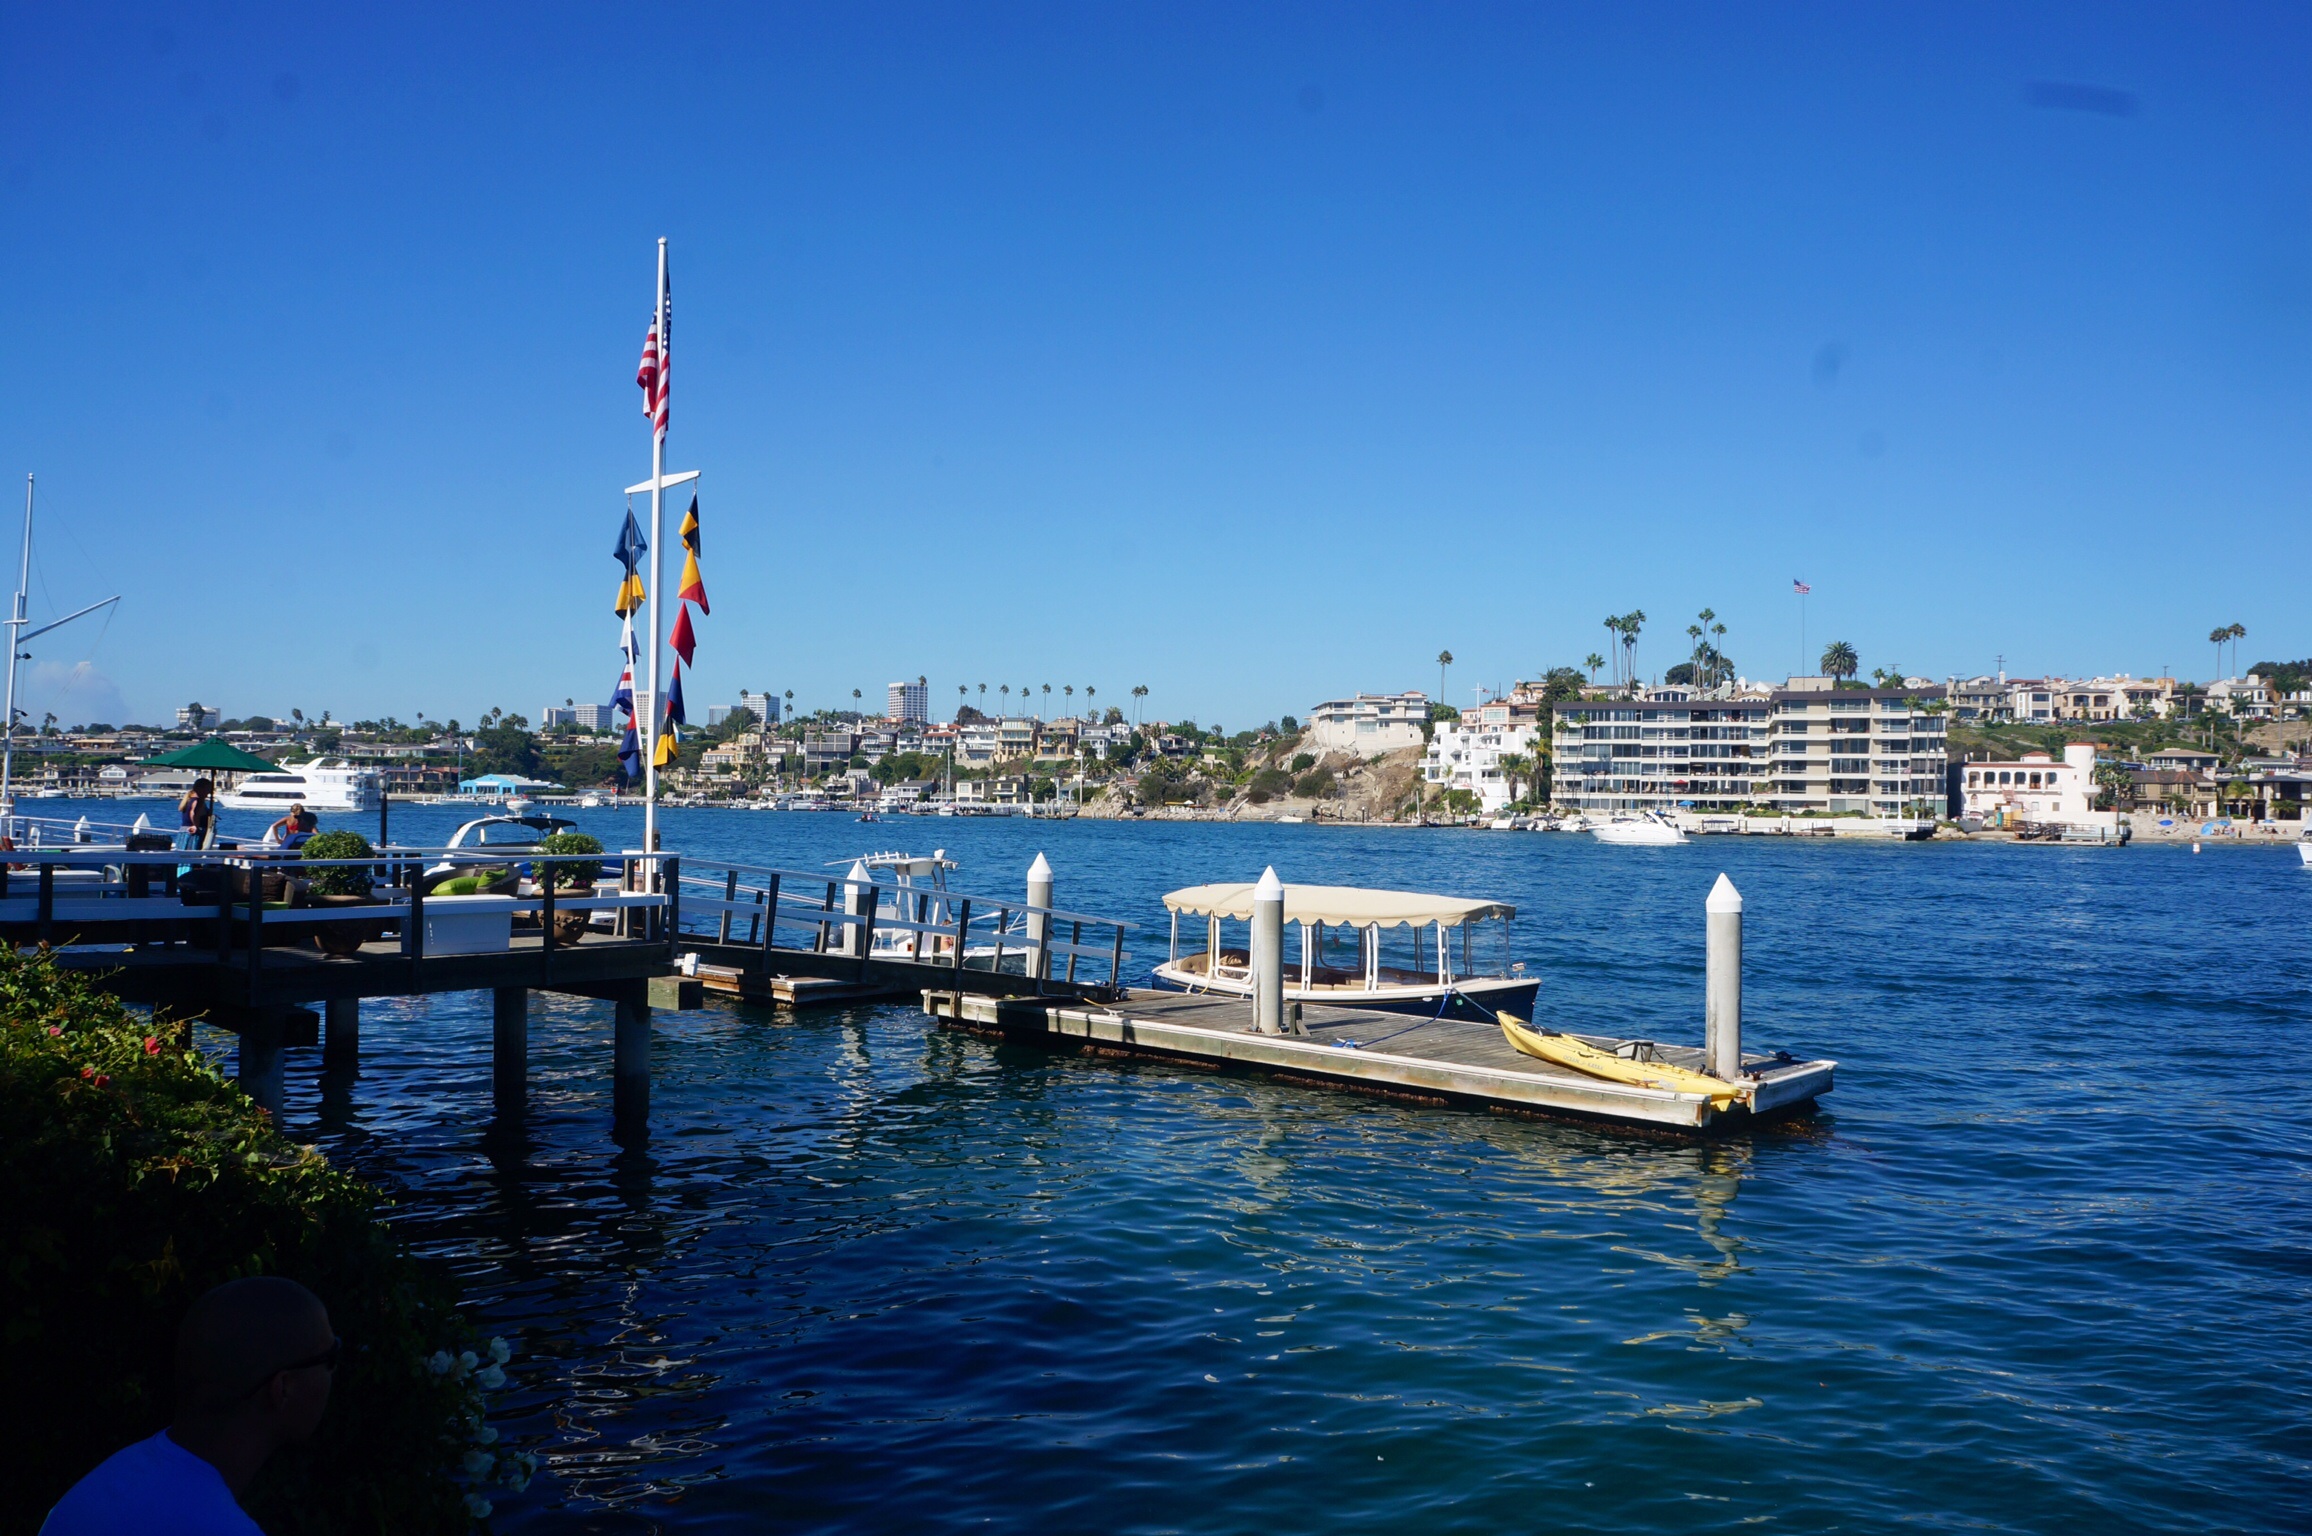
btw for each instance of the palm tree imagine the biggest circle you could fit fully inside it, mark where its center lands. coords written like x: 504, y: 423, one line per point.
x: 1444, y: 660
x: 1070, y: 690
x: 2238, y: 632
x: 1006, y: 697
x: 1593, y: 661
x: 1047, y: 696
x: 962, y: 692
x: 983, y: 698
x: 1139, y: 692
x: 1632, y: 622
x: 1513, y: 767
x: 1089, y: 691
x: 854, y: 701
x: 2216, y: 638
x: 1839, y: 660
x: 1718, y: 667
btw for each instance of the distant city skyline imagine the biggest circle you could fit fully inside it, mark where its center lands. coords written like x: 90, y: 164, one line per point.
x: 1255, y: 356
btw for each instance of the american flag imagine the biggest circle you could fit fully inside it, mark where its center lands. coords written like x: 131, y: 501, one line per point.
x: 657, y: 360
x: 1799, y: 587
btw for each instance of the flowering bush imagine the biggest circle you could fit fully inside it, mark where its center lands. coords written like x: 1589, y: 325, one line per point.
x: 133, y: 1177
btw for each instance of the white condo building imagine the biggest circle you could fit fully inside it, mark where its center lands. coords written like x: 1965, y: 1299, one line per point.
x: 1467, y: 753
x: 910, y: 702
x: 1368, y: 724
x: 2033, y: 788
x: 764, y: 705
x: 1809, y: 747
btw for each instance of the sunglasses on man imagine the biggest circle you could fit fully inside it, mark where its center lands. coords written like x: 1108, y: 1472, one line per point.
x: 327, y: 1360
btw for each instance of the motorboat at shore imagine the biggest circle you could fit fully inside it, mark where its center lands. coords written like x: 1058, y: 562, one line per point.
x: 1646, y: 829
x: 1351, y: 952
x: 320, y: 784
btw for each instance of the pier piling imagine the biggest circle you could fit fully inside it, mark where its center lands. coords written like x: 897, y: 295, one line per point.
x: 1268, y: 954
x: 630, y: 1058
x: 258, y: 1065
x: 1039, y: 924
x: 341, y: 1032
x: 1722, y: 1017
x: 510, y: 1048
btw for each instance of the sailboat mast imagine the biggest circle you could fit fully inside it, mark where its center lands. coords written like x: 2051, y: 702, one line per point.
x: 15, y: 639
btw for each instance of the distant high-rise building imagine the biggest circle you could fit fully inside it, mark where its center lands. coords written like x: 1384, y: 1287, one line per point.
x: 716, y: 714
x: 195, y: 718
x: 556, y: 715
x: 909, y: 702
x: 764, y: 705
x: 594, y: 717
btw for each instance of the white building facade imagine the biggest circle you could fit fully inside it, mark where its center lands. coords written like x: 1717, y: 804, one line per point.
x: 2034, y: 788
x: 1834, y: 751
x: 1467, y: 754
x: 1368, y: 724
x: 909, y: 702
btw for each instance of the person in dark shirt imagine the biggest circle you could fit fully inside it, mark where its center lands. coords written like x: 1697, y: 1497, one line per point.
x: 255, y: 1361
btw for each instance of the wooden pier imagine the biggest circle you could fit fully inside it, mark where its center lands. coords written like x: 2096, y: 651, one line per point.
x: 1444, y: 1060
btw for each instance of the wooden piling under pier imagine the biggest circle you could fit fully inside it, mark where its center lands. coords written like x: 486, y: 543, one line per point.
x: 1403, y: 1055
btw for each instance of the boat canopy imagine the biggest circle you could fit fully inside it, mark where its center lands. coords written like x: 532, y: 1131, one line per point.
x: 1350, y: 905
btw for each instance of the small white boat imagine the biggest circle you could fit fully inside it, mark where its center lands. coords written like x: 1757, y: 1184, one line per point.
x: 1650, y: 829
x: 1292, y: 821
x: 1349, y: 952
x: 2304, y: 852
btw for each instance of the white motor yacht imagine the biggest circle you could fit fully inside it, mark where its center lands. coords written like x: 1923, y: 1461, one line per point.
x: 1349, y: 955
x: 321, y: 784
x: 1647, y: 829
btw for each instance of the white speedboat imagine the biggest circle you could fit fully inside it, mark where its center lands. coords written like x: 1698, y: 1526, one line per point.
x: 1649, y: 829
x: 321, y: 784
x: 1350, y: 952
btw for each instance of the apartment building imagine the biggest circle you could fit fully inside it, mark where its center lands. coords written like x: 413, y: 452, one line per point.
x: 1368, y: 724
x: 910, y: 702
x: 594, y: 717
x: 1468, y: 753
x: 1813, y: 747
x: 764, y: 705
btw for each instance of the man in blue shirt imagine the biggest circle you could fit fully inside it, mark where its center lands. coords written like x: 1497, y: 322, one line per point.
x: 255, y: 1359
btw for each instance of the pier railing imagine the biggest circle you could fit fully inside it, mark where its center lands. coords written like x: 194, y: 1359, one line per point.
x: 234, y: 898
x: 751, y: 912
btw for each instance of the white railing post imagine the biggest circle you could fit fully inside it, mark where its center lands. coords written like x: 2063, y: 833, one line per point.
x: 1268, y: 954
x: 1722, y: 1015
x: 1039, y: 923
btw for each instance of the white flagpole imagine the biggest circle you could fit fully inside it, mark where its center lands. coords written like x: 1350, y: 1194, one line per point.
x: 657, y: 554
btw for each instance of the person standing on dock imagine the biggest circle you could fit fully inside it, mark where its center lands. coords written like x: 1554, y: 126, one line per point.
x: 197, y: 813
x: 255, y: 1362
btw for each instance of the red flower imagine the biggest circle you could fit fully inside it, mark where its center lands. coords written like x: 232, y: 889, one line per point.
x: 101, y: 1079
x: 87, y: 1072
x: 53, y: 1031
x: 152, y: 1045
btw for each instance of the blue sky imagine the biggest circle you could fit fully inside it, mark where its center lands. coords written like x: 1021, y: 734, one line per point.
x: 1254, y: 354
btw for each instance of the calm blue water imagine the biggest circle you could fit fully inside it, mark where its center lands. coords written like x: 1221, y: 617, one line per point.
x: 2041, y: 1264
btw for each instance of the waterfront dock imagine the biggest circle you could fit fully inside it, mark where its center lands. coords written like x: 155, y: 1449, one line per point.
x: 1443, y: 1061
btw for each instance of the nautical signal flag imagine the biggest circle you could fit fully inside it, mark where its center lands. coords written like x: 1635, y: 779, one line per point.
x: 683, y: 641
x: 693, y: 588
x: 690, y: 525
x: 669, y: 737
x: 628, y: 552
x: 630, y: 753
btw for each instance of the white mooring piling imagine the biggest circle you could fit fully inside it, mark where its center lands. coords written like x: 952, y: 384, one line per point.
x: 1039, y: 925
x: 858, y: 901
x: 1268, y: 954
x: 1722, y: 1026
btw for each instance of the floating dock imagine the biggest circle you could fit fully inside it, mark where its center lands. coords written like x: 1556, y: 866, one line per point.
x: 1445, y: 1060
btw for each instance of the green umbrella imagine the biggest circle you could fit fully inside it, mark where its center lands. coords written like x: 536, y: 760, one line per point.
x: 217, y: 753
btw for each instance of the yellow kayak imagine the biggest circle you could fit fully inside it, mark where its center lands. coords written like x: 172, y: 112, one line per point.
x: 1566, y: 1051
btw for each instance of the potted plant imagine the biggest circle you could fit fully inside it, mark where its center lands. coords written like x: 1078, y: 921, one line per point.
x: 341, y: 885
x: 576, y: 870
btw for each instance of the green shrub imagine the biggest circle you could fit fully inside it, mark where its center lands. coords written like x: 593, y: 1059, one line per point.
x: 574, y: 874
x: 1314, y: 786
x: 133, y: 1178
x: 344, y: 880
x: 1269, y: 783
x: 1302, y: 762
